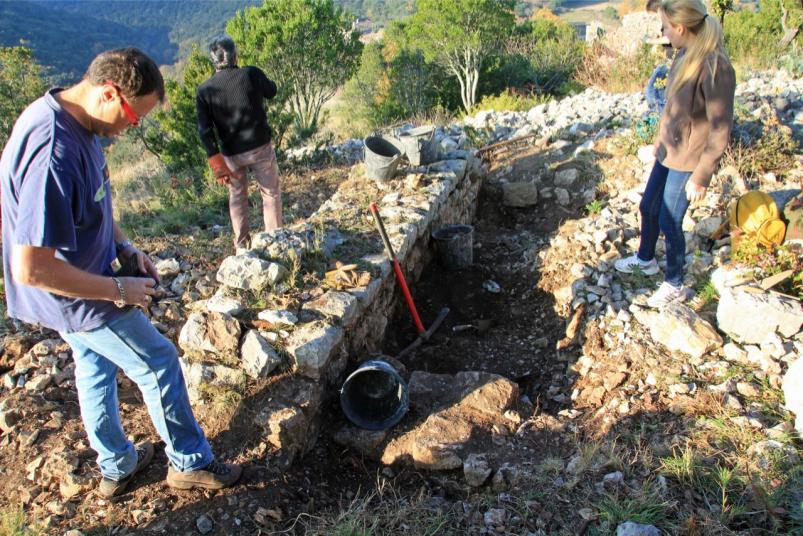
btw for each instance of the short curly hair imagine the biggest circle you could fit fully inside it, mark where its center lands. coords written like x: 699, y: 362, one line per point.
x: 130, y: 69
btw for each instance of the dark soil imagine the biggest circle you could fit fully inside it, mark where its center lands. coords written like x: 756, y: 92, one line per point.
x: 512, y: 333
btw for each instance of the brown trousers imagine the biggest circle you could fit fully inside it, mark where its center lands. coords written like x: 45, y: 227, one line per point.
x: 261, y: 163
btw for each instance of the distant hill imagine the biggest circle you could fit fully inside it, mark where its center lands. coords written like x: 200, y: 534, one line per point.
x: 66, y: 34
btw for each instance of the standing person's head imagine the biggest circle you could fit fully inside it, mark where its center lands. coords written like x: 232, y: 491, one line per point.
x: 687, y: 25
x: 128, y: 85
x: 223, y: 52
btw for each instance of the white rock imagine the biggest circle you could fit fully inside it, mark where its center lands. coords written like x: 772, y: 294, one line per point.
x: 566, y: 177
x: 249, y: 273
x: 635, y: 529
x: 680, y: 329
x: 258, y: 356
x: 224, y: 304
x: 281, y: 317
x: 168, y: 267
x: 476, y: 470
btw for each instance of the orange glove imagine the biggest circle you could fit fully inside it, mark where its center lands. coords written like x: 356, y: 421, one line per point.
x: 219, y: 167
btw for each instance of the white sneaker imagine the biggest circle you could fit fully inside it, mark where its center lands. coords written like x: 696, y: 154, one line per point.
x: 627, y: 264
x: 667, y: 294
x: 241, y: 251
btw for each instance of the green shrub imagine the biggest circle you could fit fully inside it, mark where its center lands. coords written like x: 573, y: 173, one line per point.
x: 21, y: 83
x: 545, y: 54
x: 772, y: 149
x: 611, y: 13
x: 509, y: 101
x: 753, y: 38
x: 610, y: 71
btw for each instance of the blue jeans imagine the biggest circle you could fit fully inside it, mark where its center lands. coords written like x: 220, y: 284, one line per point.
x: 662, y: 209
x: 132, y: 344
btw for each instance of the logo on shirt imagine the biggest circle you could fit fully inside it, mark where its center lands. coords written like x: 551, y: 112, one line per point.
x: 101, y: 192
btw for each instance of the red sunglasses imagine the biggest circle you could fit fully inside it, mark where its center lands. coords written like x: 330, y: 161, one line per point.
x: 133, y: 120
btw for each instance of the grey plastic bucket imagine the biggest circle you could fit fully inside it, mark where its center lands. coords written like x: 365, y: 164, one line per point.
x: 418, y: 145
x: 455, y: 245
x: 381, y: 158
x: 374, y: 396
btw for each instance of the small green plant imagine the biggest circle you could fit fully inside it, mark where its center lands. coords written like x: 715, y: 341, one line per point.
x: 646, y: 508
x: 640, y: 279
x: 765, y: 262
x: 223, y: 399
x: 706, y: 292
x: 13, y: 523
x: 594, y: 207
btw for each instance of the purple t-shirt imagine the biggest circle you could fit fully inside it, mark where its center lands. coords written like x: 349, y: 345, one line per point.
x: 56, y: 194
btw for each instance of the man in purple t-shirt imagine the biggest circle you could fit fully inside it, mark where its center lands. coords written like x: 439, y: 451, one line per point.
x: 59, y: 240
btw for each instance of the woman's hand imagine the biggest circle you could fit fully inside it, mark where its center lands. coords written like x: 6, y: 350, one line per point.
x: 694, y: 192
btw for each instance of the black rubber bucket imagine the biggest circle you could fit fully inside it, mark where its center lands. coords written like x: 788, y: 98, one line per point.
x: 381, y: 158
x: 455, y: 245
x: 374, y: 396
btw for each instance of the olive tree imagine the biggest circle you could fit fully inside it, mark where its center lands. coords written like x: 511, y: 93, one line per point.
x: 20, y: 84
x: 460, y: 35
x: 306, y: 46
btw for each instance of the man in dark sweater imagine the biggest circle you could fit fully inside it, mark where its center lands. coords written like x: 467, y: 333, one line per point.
x: 234, y: 130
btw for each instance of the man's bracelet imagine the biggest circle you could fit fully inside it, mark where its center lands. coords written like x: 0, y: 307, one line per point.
x: 121, y: 290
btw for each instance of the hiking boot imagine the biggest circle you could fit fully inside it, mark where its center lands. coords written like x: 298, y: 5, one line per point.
x: 628, y: 264
x: 667, y: 294
x: 109, y: 488
x: 214, y: 475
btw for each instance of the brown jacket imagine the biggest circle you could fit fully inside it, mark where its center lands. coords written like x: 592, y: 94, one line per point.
x: 697, y: 120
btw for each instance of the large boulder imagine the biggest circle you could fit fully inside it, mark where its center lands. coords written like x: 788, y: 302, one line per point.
x: 460, y: 415
x: 738, y: 310
x: 312, y: 346
x: 741, y: 303
x: 258, y: 356
x: 249, y: 272
x: 519, y: 194
x: 214, y: 333
x: 680, y: 329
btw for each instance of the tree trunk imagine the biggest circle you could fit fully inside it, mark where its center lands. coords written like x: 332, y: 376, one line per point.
x: 789, y: 34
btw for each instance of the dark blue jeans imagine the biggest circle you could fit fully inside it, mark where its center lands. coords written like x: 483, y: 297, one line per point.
x: 662, y: 209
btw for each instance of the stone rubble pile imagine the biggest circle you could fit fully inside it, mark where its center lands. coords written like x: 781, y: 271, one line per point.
x: 591, y: 113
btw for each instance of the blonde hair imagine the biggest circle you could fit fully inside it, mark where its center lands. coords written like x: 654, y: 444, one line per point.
x: 692, y: 14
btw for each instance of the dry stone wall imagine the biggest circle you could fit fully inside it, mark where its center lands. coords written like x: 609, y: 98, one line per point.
x: 337, y: 327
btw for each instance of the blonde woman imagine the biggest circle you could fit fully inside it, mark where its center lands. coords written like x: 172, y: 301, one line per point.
x: 692, y: 135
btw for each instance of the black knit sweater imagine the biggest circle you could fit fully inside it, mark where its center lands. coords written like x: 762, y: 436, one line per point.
x: 230, y: 104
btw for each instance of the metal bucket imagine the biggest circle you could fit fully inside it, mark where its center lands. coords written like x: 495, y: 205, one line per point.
x: 374, y: 396
x: 381, y: 158
x: 418, y: 145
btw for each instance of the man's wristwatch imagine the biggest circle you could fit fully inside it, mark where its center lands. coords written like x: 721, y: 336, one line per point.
x: 125, y: 244
x: 121, y: 302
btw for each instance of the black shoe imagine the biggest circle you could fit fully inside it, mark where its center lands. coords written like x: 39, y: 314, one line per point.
x: 109, y: 488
